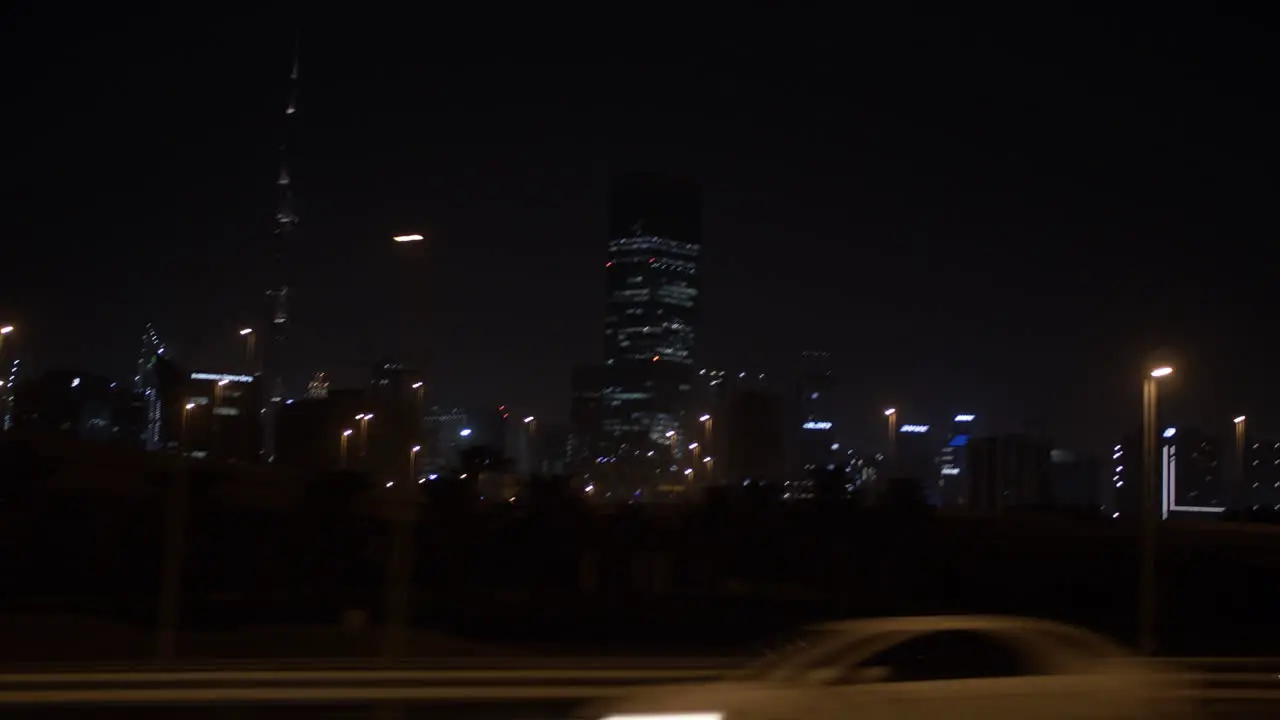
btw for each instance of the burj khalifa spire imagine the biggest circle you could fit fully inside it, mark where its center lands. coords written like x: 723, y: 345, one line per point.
x: 276, y: 365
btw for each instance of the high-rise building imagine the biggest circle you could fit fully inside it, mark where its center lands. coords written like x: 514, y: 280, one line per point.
x: 1074, y: 479
x: 147, y: 386
x: 1189, y: 475
x: 651, y: 320
x: 1261, y: 461
x: 318, y: 388
x: 1008, y: 471
x: 583, y: 446
x: 744, y: 436
x: 953, y: 468
x: 814, y: 440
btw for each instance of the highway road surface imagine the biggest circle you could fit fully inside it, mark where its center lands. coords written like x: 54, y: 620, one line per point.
x: 541, y: 690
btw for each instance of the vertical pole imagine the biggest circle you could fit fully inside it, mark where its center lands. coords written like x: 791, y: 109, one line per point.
x: 1242, y: 488
x: 1147, y: 590
x: 174, y: 551
x: 399, y: 570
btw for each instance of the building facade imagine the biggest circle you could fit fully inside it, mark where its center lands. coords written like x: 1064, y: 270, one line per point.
x: 815, y: 446
x: 953, y: 467
x: 651, y: 320
x: 1008, y: 471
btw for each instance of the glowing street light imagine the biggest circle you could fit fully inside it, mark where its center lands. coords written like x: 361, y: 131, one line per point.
x: 250, y: 340
x: 407, y: 238
x: 892, y: 414
x: 6, y: 329
x: 1147, y: 593
x: 364, y: 419
x: 465, y: 432
x: 182, y: 432
x: 1239, y: 468
x: 704, y: 418
x: 342, y: 448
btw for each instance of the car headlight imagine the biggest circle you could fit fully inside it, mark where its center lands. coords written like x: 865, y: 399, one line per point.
x: 667, y: 716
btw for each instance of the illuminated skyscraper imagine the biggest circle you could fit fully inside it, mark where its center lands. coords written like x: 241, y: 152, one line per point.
x: 813, y: 432
x: 147, y: 386
x: 651, y: 319
x: 318, y: 388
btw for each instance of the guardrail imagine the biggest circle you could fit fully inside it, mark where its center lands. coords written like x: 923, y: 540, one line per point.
x: 275, y: 685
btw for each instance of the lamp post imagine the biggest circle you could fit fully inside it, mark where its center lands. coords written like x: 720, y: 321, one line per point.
x: 707, y: 441
x: 249, y: 348
x: 530, y: 442
x: 892, y: 415
x: 403, y: 513
x: 6, y: 390
x: 342, y: 448
x: 1147, y: 590
x: 182, y: 430
x: 174, y: 550
x: 364, y: 419
x: 1242, y: 489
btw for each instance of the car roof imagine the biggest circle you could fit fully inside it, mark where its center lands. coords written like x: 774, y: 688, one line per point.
x: 943, y: 622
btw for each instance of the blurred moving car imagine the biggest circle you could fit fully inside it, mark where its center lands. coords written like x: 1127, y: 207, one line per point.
x: 957, y: 668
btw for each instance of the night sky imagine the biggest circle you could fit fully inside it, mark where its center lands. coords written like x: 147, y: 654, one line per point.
x: 1002, y: 215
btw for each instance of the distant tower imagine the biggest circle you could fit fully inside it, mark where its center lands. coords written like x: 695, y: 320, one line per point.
x: 276, y: 364
x: 147, y: 386
x: 318, y: 388
x: 7, y: 395
x: 650, y: 327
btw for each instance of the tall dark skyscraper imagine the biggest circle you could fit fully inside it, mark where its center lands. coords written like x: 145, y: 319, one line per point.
x: 276, y: 366
x: 147, y: 386
x: 651, y: 320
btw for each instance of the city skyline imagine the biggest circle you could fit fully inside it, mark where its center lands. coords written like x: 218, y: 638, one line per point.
x: 1000, y: 274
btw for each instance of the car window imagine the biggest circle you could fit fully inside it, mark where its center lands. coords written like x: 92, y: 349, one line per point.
x: 836, y: 655
x: 1081, y: 643
x: 948, y: 655
x: 823, y: 648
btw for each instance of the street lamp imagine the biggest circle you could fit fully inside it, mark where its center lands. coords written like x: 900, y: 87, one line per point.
x: 1147, y: 592
x: 182, y: 434
x: 342, y: 448
x: 413, y: 456
x: 5, y: 330
x: 364, y: 419
x: 892, y: 414
x: 418, y: 386
x: 407, y: 238
x: 250, y: 341
x: 1241, y: 490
